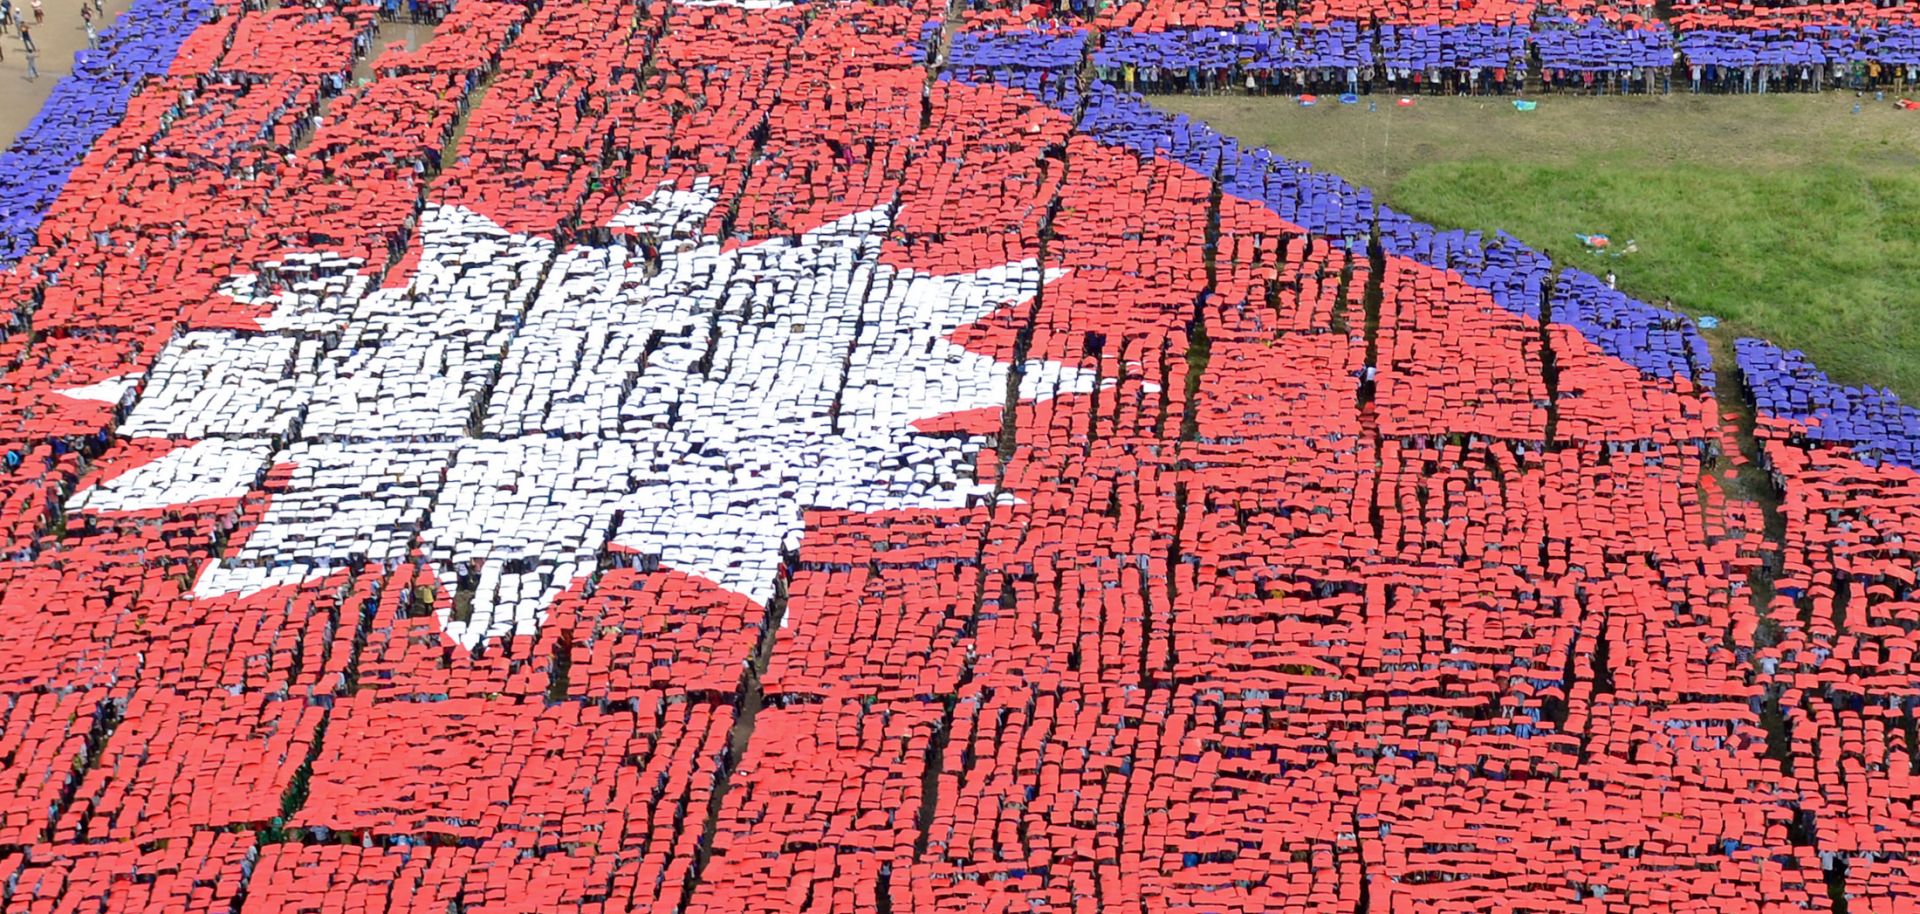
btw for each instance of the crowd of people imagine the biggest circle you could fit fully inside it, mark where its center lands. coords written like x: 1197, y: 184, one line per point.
x: 1153, y: 45
x: 741, y: 461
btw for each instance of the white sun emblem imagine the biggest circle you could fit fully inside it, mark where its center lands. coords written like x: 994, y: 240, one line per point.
x: 511, y: 413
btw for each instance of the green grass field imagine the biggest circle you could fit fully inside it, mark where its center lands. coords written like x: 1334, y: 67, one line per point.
x: 1789, y: 217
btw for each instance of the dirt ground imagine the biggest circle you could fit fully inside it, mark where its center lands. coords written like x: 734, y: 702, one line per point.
x: 58, y: 37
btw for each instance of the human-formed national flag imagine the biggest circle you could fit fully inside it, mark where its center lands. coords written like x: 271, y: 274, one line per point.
x: 715, y: 457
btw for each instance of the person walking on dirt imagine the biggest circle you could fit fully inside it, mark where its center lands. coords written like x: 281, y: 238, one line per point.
x: 39, y: 12
x: 33, y: 65
x: 26, y: 38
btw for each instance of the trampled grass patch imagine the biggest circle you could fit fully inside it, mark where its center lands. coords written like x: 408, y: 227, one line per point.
x: 1788, y: 217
